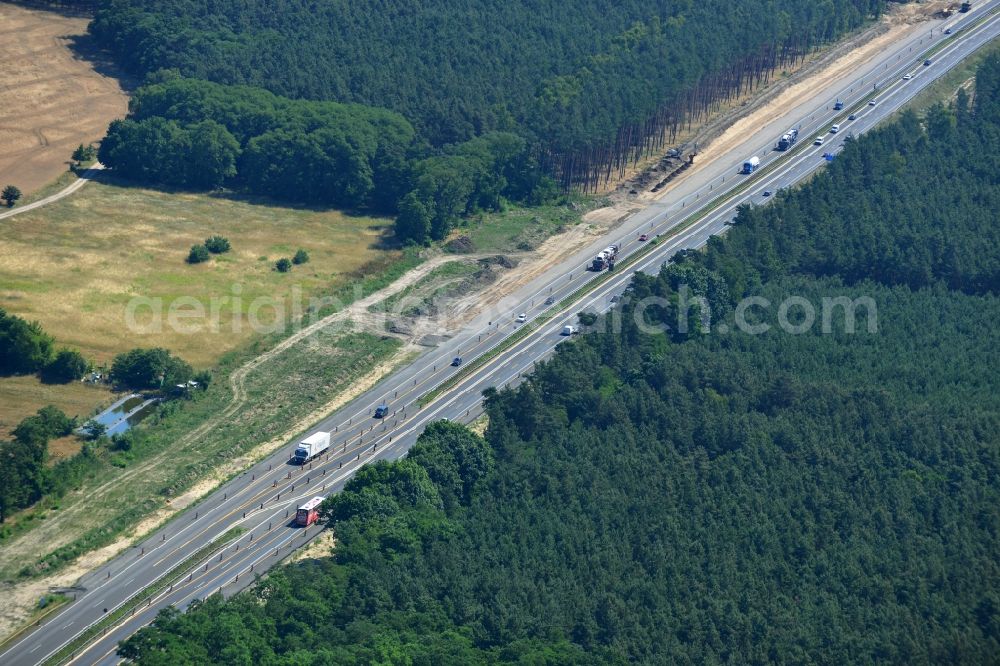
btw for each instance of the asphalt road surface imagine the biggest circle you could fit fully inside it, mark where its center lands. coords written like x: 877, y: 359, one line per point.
x: 263, y: 499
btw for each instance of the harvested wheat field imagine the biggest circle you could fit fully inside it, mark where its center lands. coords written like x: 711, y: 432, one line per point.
x: 53, y: 99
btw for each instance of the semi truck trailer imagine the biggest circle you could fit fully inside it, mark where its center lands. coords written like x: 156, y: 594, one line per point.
x: 312, y: 446
x: 788, y: 139
x: 605, y: 258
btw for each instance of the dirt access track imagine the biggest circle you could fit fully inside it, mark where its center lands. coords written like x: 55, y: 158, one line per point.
x: 773, y: 108
x: 52, y: 99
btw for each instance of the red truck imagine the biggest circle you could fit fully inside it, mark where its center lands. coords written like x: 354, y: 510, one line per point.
x: 308, y: 513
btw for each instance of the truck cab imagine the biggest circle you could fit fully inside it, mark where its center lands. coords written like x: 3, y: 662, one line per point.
x: 308, y: 513
x: 751, y: 165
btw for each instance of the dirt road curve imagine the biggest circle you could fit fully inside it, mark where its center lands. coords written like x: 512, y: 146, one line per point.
x: 52, y: 99
x: 84, y: 178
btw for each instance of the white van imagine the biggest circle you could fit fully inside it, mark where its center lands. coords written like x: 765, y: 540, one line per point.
x: 569, y: 330
x: 834, y: 129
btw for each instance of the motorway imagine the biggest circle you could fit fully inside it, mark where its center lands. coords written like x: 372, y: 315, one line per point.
x: 262, y: 500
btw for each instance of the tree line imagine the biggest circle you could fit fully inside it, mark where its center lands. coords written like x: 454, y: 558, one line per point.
x: 26, y: 475
x: 197, y: 134
x: 590, y: 86
x: 709, y: 497
x: 25, y: 348
x: 913, y: 203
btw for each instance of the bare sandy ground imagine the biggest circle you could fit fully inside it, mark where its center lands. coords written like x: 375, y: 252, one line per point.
x: 719, y: 136
x: 51, y: 100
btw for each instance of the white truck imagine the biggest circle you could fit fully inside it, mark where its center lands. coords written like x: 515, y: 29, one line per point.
x: 788, y: 139
x: 605, y: 259
x: 751, y: 164
x: 312, y: 446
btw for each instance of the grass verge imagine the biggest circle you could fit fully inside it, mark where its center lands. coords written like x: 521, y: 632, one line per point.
x: 945, y: 87
x: 440, y: 282
x: 518, y: 229
x: 54, y: 603
x: 165, y: 462
x: 111, y: 619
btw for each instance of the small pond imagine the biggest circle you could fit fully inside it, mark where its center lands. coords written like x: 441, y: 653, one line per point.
x: 125, y: 413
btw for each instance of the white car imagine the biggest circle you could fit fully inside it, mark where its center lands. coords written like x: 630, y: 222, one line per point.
x: 907, y: 77
x: 818, y: 141
x: 521, y: 318
x: 872, y: 103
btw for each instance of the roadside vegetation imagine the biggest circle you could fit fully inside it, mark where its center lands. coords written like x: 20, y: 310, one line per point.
x: 444, y: 280
x: 946, y: 87
x: 708, y: 495
x: 520, y: 228
x: 127, y: 478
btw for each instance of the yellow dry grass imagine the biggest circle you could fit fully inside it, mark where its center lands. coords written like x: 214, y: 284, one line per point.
x: 23, y: 396
x: 75, y: 265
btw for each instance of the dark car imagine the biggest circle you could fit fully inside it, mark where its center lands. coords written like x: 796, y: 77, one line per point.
x: 457, y: 361
x: 767, y: 193
x: 927, y: 63
x: 381, y: 411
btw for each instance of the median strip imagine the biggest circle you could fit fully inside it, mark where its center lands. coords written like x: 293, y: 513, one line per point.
x: 68, y: 651
x: 593, y: 284
x: 56, y: 603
